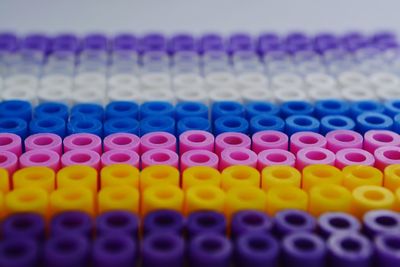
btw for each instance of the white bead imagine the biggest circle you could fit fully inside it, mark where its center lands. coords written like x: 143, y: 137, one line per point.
x: 188, y: 80
x: 123, y: 80
x: 388, y: 93
x: 21, y: 80
x: 90, y: 79
x: 320, y: 80
x: 287, y: 80
x: 124, y: 94
x: 158, y: 95
x: 352, y: 78
x: 56, y: 80
x: 156, y: 80
x: 384, y: 80
x: 252, y: 80
x: 191, y: 94
x: 222, y: 94
x: 20, y: 93
x: 324, y: 93
x: 88, y: 95
x: 216, y: 80
x: 356, y: 93
x: 54, y: 94
x: 256, y: 94
x: 289, y: 94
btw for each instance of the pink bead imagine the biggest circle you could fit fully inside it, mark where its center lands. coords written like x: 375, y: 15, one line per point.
x: 341, y: 139
x: 11, y: 142
x: 195, y: 139
x: 120, y: 157
x: 44, y: 141
x: 81, y: 157
x: 275, y: 156
x: 265, y: 140
x: 237, y: 156
x: 387, y: 155
x: 160, y: 156
x: 354, y: 156
x: 199, y: 158
x: 157, y: 140
x: 227, y: 140
x: 8, y: 161
x: 314, y: 155
x: 374, y: 139
x: 84, y: 141
x: 120, y: 141
x: 306, y: 139
x: 43, y: 157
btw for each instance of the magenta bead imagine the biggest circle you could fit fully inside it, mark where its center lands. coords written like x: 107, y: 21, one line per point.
x: 120, y: 157
x: 272, y: 157
x: 196, y: 139
x: 42, y: 157
x: 81, y: 157
x: 11, y: 142
x: 8, y: 161
x: 44, y: 141
x: 119, y: 141
x: 374, y: 139
x: 84, y: 141
x: 314, y: 155
x: 230, y: 139
x: 199, y: 158
x: 341, y: 139
x: 354, y: 156
x: 157, y: 140
x: 161, y: 156
x: 386, y: 155
x: 237, y: 156
x: 306, y: 139
x: 265, y: 140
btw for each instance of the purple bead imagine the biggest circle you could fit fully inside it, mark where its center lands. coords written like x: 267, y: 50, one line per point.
x: 267, y: 42
x: 240, y: 42
x: 387, y: 250
x: 19, y: 253
x: 383, y: 36
x: 24, y: 225
x: 163, y: 249
x: 353, y: 41
x: 290, y: 221
x: 153, y: 42
x: 8, y: 42
x: 65, y: 42
x: 250, y: 221
x: 38, y: 42
x: 324, y: 42
x: 114, y: 250
x: 72, y: 222
x: 334, y: 222
x: 349, y: 250
x: 210, y: 250
x: 118, y: 222
x: 205, y: 222
x: 182, y: 42
x: 211, y: 42
x: 125, y: 41
x: 381, y: 221
x: 161, y: 221
x: 95, y: 41
x: 255, y: 250
x: 66, y: 251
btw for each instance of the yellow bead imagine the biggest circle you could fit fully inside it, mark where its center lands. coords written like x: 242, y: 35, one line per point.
x: 239, y: 176
x: 42, y: 177
x: 329, y: 197
x: 28, y: 199
x: 391, y: 178
x: 72, y: 198
x: 4, y: 181
x: 204, y: 197
x: 78, y: 176
x: 118, y: 198
x: 162, y: 197
x: 397, y: 200
x: 371, y: 197
x: 280, y: 198
x: 200, y: 175
x: 118, y: 175
x: 357, y: 175
x: 320, y: 174
x: 158, y: 174
x: 280, y: 176
x: 242, y: 198
x: 2, y: 205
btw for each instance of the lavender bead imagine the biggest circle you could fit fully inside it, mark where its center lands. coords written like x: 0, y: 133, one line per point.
x: 353, y: 41
x: 161, y: 221
x: 114, y: 250
x: 290, y: 221
x: 381, y: 221
x: 205, y: 222
x: 118, y: 222
x: 163, y: 249
x: 387, y: 250
x: 334, y: 222
x: 24, y: 225
x: 250, y: 221
x: 72, y: 222
x: 210, y: 250
x: 19, y: 253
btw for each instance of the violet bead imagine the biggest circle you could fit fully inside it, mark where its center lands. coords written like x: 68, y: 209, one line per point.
x: 324, y: 42
x: 153, y: 42
x: 19, y: 253
x: 353, y: 41
x: 8, y: 42
x: 95, y: 41
x: 65, y: 42
x: 267, y: 42
x: 37, y: 42
x: 117, y: 222
x: 125, y: 41
x: 387, y: 250
x: 200, y: 222
x: 290, y: 221
x: 240, y: 42
x: 336, y: 222
x: 24, y: 225
x: 161, y: 221
x: 72, y: 223
x: 250, y: 221
x: 163, y: 249
x: 114, y: 250
x: 381, y: 221
x: 211, y: 42
x: 182, y: 42
x: 210, y: 250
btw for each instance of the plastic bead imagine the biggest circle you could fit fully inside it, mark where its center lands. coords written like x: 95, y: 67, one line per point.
x: 314, y: 155
x: 337, y: 222
x: 378, y: 138
x: 320, y: 174
x: 381, y: 221
x: 275, y: 157
x: 165, y: 196
x: 386, y: 250
x: 124, y: 125
x: 193, y: 123
x: 204, y: 197
x: 360, y: 107
x: 44, y: 141
x: 279, y: 198
x: 373, y: 121
x: 301, y: 123
x: 230, y: 124
x: 371, y: 197
x: 356, y: 176
x: 386, y: 156
x: 14, y: 126
x: 10, y: 142
x: 293, y: 221
x: 28, y: 253
x: 195, y: 140
x: 83, y: 141
x: 280, y: 176
x: 81, y: 157
x: 119, y: 141
x: 118, y: 198
x: 157, y: 175
x: 200, y: 175
x: 331, y: 107
x: 120, y: 157
x: 163, y: 249
x: 72, y: 199
x: 336, y: 122
x: 160, y: 157
x: 391, y: 179
x: 199, y: 158
x: 114, y: 249
x: 265, y: 140
x: 238, y: 176
x: 24, y: 225
x: 72, y: 223
x: 243, y: 198
x: 306, y: 139
x: 85, y: 125
x: 37, y: 176
x: 225, y: 108
x: 237, y: 156
x: 191, y: 109
x: 341, y: 139
x: 266, y: 122
x: 258, y: 108
x: 122, y: 109
x: 327, y: 198
x: 163, y: 221
x: 201, y: 222
x: 118, y: 223
x: 392, y: 107
x: 119, y: 175
x: 156, y: 108
x: 88, y: 111
x: 250, y: 221
x: 28, y: 199
x: 51, y: 109
x: 158, y: 140
x: 353, y: 156
x: 290, y: 108
x: 78, y: 176
x: 210, y: 250
x: 4, y: 181
x: 230, y: 139
x: 157, y: 124
x: 16, y: 109
x: 43, y: 157
x: 8, y: 161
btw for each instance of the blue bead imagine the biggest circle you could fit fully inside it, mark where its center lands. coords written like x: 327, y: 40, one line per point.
x: 231, y: 124
x: 49, y: 124
x: 16, y: 109
x: 156, y: 108
x: 258, y: 108
x: 157, y: 124
x: 85, y: 125
x: 193, y: 123
x: 336, y: 122
x: 14, y: 125
x: 373, y: 121
x: 118, y: 109
x: 121, y: 125
x: 331, y: 107
x: 392, y: 107
x: 301, y: 123
x: 296, y: 108
x: 266, y: 122
x: 363, y: 106
x: 225, y: 108
x: 396, y: 123
x: 51, y: 109
x: 89, y: 111
x: 191, y: 109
